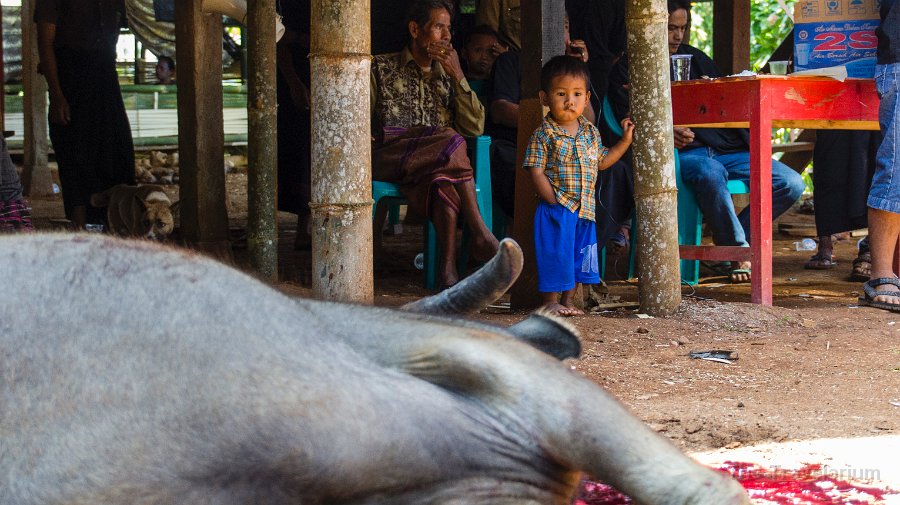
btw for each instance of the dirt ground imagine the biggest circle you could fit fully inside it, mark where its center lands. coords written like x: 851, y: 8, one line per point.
x: 814, y: 365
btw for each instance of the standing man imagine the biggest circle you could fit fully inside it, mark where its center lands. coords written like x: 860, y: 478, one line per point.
x: 294, y: 119
x: 883, y: 290
x: 88, y: 125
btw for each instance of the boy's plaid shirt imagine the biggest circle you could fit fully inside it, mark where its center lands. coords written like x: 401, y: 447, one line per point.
x: 571, y: 163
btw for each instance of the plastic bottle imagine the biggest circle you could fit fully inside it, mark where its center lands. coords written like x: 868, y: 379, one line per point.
x: 419, y: 262
x: 806, y: 244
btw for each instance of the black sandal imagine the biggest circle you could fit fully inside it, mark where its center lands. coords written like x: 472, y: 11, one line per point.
x: 870, y: 293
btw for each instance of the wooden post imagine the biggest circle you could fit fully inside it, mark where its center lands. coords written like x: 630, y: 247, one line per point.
x: 262, y: 132
x: 655, y: 191
x: 341, y: 151
x: 36, y: 177
x: 204, y: 219
x: 547, y: 18
x: 731, y: 35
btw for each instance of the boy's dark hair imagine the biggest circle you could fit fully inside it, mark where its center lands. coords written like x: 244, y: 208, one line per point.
x: 564, y: 65
x: 419, y: 11
x: 169, y: 61
x: 481, y: 30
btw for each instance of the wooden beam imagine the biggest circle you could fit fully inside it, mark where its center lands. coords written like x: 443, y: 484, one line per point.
x: 204, y: 218
x: 731, y: 35
x: 544, y: 17
x: 36, y: 177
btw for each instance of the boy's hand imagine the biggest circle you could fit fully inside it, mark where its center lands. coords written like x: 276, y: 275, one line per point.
x: 627, y: 130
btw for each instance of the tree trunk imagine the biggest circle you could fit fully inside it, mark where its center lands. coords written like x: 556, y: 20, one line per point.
x: 341, y: 151
x: 262, y: 149
x: 654, y: 165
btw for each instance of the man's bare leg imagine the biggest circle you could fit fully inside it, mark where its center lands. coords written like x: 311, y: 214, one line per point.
x: 484, y: 244
x: 884, y: 230
x: 444, y: 220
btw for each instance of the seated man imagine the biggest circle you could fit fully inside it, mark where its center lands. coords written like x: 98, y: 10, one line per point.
x: 710, y: 157
x: 479, y: 52
x: 421, y: 104
x: 15, y: 213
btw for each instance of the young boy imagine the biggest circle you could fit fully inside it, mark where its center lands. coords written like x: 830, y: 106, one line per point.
x: 563, y: 156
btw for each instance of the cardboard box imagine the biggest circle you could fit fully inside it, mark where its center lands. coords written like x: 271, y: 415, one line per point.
x: 830, y: 33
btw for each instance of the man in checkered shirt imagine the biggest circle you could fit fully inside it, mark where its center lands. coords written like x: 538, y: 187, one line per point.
x: 564, y: 156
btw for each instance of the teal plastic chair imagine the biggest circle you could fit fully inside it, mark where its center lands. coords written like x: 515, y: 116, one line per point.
x: 479, y: 149
x: 690, y: 219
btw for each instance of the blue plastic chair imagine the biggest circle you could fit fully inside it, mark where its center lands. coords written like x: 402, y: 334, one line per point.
x: 480, y: 156
x: 690, y: 219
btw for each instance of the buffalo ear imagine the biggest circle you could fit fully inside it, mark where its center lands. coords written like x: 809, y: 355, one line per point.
x: 548, y: 334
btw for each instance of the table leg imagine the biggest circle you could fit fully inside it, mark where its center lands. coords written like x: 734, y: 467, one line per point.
x: 761, y: 199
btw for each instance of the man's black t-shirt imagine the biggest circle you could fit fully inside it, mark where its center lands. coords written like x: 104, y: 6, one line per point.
x: 506, y: 84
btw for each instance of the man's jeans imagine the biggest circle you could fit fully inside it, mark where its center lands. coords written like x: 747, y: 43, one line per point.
x: 708, y: 172
x: 885, y: 192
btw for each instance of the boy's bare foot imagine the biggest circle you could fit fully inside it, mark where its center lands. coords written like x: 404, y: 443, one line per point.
x: 558, y: 309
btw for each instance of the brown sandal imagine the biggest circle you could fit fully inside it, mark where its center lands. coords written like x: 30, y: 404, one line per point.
x: 862, y: 267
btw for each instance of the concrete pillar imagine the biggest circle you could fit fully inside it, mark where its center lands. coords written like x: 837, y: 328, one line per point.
x: 341, y: 151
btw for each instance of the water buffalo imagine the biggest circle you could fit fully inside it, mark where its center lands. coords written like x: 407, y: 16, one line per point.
x: 132, y: 373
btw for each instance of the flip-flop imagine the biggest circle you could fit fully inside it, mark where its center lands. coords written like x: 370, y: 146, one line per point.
x: 739, y: 271
x: 820, y: 261
x: 870, y: 293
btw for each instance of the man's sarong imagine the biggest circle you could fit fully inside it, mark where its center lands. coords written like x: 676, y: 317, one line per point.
x: 425, y: 161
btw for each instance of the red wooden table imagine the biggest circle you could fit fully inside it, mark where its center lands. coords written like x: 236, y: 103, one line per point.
x: 761, y: 103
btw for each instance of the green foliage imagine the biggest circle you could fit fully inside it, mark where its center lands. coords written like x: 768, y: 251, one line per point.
x: 769, y: 25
